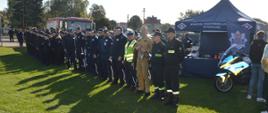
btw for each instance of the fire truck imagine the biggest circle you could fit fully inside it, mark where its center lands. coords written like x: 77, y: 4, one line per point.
x: 70, y: 23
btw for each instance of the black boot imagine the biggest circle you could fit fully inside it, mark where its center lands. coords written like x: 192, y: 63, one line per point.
x: 175, y: 100
x: 161, y: 94
x: 156, y: 95
x: 168, y: 98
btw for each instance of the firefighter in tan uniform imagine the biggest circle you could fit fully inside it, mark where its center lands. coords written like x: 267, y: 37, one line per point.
x: 143, y: 47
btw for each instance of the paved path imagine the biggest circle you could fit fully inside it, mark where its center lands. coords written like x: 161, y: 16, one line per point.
x: 4, y: 42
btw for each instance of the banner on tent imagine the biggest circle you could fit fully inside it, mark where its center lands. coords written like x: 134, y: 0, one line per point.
x: 201, y: 26
x: 239, y: 36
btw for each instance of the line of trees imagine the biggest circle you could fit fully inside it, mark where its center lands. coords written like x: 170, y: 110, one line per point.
x: 26, y: 13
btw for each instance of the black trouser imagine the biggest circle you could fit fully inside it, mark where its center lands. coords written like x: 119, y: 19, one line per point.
x: 70, y: 59
x: 44, y: 55
x: 80, y: 58
x: 59, y: 56
x: 20, y: 42
x: 171, y: 74
x: 118, y: 70
x: 91, y: 65
x: 104, y: 68
x: 157, y: 72
x: 130, y: 74
x: 11, y: 38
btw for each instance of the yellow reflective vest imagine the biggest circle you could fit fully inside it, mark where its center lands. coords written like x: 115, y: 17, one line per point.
x: 129, y: 50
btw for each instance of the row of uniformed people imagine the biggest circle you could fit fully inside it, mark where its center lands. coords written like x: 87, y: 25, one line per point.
x: 113, y: 56
x: 45, y: 46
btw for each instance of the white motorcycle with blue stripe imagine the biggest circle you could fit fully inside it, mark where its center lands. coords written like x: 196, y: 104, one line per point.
x: 232, y: 67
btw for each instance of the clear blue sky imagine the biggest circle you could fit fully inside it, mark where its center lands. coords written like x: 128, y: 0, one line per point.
x: 168, y: 10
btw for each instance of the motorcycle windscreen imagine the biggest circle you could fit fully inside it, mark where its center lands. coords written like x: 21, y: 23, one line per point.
x: 228, y: 59
x: 237, y: 67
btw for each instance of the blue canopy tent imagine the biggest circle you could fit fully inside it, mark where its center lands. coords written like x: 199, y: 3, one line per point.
x: 216, y: 27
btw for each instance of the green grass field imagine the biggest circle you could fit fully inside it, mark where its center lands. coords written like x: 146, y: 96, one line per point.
x: 26, y: 86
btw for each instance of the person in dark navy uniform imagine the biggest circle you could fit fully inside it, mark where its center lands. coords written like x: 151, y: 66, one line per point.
x: 91, y: 46
x: 105, y: 44
x: 69, y: 49
x: 118, y: 51
x: 80, y: 47
x: 173, y: 58
x: 157, y: 65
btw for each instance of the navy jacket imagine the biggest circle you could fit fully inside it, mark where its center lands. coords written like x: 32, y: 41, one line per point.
x: 68, y: 42
x: 91, y: 45
x: 118, y: 48
x: 79, y: 43
x: 158, y: 54
x: 174, y: 53
x: 105, y: 47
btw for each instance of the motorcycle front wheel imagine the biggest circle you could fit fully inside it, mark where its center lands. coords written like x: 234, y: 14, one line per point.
x: 223, y: 86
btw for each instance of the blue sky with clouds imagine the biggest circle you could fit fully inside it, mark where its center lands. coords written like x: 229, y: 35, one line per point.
x: 168, y: 10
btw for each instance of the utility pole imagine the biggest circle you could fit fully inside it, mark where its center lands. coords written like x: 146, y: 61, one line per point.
x: 127, y: 18
x: 143, y: 15
x: 23, y: 13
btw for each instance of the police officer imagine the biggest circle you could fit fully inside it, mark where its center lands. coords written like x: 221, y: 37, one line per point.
x: 157, y: 65
x: 44, y: 46
x: 173, y: 59
x: 59, y: 55
x: 130, y: 59
x: 69, y: 49
x: 118, y: 54
x: 144, y: 47
x: 52, y: 47
x: 80, y: 47
x: 19, y: 34
x: 91, y: 46
x: 105, y: 44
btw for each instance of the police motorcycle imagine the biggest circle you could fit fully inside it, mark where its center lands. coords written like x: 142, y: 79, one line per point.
x: 232, y: 67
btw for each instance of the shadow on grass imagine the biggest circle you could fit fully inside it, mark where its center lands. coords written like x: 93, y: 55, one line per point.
x: 88, y: 94
x: 21, y: 62
x: 84, y: 93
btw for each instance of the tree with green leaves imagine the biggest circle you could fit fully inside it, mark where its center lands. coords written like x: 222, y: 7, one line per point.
x: 165, y: 27
x: 189, y: 13
x: 100, y: 23
x: 135, y: 22
x: 4, y: 17
x: 24, y: 13
x: 66, y: 8
x: 112, y: 24
x: 97, y: 12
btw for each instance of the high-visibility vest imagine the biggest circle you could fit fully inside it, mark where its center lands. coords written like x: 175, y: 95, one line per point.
x: 129, y: 50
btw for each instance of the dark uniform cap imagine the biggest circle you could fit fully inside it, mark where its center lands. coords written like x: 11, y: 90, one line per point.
x: 157, y: 34
x: 119, y: 28
x: 89, y: 30
x: 170, y: 30
x: 100, y: 30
